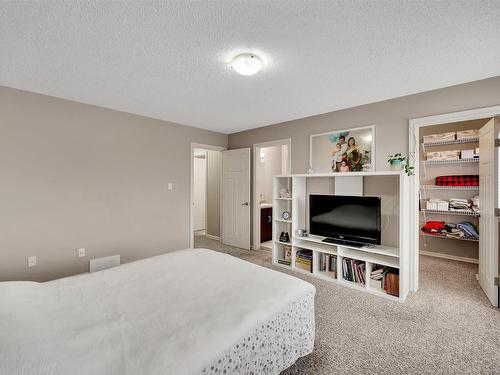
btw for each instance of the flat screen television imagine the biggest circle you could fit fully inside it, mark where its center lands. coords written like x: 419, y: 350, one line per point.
x: 345, y: 219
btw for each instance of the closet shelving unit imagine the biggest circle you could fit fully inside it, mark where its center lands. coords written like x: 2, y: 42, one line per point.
x: 452, y: 212
x: 433, y: 168
x: 437, y: 187
x: 393, y: 252
x: 465, y: 238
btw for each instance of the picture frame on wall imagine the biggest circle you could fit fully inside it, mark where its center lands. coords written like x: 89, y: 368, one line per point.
x: 348, y: 150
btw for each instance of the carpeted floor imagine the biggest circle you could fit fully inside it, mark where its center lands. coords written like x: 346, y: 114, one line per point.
x: 447, y: 327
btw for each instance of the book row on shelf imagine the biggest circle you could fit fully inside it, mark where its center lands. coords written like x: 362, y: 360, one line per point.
x: 385, y: 278
x: 327, y: 263
x: 354, y: 270
x: 382, y: 278
x: 303, y: 259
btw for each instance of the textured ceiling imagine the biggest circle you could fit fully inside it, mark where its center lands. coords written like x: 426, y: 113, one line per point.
x: 168, y: 60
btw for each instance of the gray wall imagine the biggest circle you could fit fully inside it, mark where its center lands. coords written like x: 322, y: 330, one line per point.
x: 214, y: 166
x: 390, y: 118
x: 76, y: 175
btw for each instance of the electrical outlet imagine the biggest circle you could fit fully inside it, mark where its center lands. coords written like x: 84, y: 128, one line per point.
x: 81, y: 252
x: 31, y: 261
x: 170, y: 186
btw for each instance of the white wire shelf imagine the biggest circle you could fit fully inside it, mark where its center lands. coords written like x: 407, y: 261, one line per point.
x: 437, y: 187
x: 464, y: 238
x: 456, y: 141
x: 455, y: 161
x: 450, y: 212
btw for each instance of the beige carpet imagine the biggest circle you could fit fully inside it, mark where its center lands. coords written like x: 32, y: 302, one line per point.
x: 447, y: 327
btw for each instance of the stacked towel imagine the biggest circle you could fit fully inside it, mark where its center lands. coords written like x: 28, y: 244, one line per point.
x: 459, y: 204
x: 475, y: 203
x: 469, y: 229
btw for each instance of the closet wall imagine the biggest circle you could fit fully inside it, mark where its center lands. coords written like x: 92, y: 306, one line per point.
x: 447, y: 247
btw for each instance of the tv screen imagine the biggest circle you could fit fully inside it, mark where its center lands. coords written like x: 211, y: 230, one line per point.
x: 345, y: 218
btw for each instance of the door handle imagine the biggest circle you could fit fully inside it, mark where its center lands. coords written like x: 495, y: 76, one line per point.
x: 245, y: 204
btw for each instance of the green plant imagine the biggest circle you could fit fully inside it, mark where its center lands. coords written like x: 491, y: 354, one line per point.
x: 404, y: 160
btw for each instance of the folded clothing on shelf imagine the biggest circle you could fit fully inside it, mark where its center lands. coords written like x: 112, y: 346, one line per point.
x: 463, y: 229
x: 475, y: 203
x: 465, y: 180
x: 432, y: 225
x: 469, y: 229
x: 459, y: 204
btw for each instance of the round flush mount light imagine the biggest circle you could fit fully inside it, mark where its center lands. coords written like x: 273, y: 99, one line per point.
x: 247, y: 64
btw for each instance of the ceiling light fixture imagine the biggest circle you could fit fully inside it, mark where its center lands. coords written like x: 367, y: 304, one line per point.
x: 247, y: 64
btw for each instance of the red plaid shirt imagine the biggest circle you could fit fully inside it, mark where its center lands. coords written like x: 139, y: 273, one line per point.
x: 467, y: 180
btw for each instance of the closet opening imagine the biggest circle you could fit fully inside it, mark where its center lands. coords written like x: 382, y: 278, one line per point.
x: 206, y: 177
x: 457, y: 181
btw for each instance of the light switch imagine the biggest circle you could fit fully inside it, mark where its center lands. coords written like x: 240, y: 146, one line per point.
x: 81, y: 252
x: 170, y: 186
x: 31, y: 261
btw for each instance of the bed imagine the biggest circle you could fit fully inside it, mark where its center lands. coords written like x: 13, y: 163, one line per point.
x: 193, y: 311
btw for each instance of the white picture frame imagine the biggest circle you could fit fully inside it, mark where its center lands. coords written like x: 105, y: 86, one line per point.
x: 323, y: 148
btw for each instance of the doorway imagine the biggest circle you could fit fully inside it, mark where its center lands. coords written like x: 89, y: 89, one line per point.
x: 270, y: 159
x: 455, y: 191
x: 206, y: 193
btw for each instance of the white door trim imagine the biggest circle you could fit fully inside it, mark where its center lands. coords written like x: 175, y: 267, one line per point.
x: 191, y: 174
x: 255, y: 200
x: 414, y: 154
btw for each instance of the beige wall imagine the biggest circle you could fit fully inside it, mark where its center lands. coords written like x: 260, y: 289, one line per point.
x: 76, y: 175
x: 265, y: 170
x: 214, y: 165
x: 390, y: 118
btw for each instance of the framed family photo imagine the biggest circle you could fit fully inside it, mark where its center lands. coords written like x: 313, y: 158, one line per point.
x: 349, y: 150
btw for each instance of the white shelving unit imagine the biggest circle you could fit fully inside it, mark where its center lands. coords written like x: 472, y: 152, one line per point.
x: 394, y: 254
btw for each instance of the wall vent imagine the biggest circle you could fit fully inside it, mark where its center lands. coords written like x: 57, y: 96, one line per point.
x: 99, y: 264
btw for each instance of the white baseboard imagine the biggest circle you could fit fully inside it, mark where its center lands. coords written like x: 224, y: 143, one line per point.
x: 446, y: 256
x: 212, y: 237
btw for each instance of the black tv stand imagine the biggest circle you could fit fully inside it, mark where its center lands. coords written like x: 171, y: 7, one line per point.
x: 337, y: 241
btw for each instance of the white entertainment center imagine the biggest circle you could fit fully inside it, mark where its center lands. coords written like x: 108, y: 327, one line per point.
x: 391, y: 186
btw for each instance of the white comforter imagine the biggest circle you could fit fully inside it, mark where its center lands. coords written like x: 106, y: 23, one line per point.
x: 171, y: 314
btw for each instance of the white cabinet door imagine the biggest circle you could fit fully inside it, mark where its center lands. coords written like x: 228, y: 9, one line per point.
x: 236, y: 197
x: 488, y: 222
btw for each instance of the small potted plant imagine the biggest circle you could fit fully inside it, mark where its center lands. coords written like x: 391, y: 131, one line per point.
x: 398, y: 161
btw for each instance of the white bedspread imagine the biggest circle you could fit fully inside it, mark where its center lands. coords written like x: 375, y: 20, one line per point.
x: 171, y: 314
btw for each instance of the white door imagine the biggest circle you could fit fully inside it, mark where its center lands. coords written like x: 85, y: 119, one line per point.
x: 199, y: 192
x: 488, y: 222
x: 236, y: 197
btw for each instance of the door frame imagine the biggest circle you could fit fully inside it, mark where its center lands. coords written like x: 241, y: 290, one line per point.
x: 191, y: 182
x: 414, y: 154
x: 206, y: 187
x: 255, y: 199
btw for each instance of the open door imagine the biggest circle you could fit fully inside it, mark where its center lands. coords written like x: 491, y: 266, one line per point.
x: 488, y: 200
x: 236, y: 197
